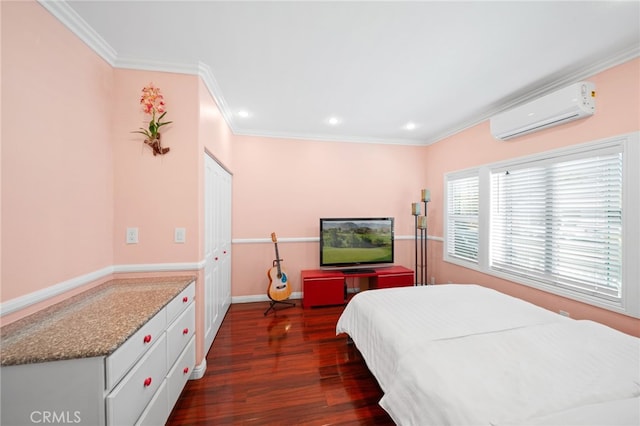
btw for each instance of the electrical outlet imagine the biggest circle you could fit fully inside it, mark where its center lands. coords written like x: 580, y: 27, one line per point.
x: 565, y: 314
x: 433, y: 280
x: 132, y: 235
x: 180, y: 235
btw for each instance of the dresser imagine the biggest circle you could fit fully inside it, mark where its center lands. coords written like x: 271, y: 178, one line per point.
x: 119, y: 354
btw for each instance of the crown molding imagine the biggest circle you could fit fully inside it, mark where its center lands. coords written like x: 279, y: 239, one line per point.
x: 553, y: 83
x: 65, y: 14
x: 323, y: 137
x: 124, y: 62
x: 549, y: 85
x: 70, y: 18
x: 210, y: 82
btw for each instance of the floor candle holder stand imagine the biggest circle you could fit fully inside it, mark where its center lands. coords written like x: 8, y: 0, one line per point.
x: 420, y: 227
x: 415, y: 211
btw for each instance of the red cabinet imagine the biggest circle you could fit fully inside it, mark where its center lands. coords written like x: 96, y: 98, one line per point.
x: 397, y: 276
x: 324, y: 288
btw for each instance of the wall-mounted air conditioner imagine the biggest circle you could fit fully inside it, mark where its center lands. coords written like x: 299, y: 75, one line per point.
x: 571, y: 103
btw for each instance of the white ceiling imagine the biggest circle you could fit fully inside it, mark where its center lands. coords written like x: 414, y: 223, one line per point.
x: 376, y: 66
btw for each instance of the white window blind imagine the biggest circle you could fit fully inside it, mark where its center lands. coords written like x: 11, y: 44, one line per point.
x: 559, y: 222
x: 462, y: 218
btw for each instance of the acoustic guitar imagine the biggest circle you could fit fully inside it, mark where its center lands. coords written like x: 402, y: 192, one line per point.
x: 279, y: 288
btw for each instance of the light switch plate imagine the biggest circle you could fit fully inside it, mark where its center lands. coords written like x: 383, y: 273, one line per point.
x: 180, y: 235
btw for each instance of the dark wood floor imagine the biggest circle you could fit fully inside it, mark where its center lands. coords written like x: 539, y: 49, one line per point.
x: 281, y: 369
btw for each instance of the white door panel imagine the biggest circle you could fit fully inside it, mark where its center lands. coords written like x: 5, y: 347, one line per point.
x: 217, y: 243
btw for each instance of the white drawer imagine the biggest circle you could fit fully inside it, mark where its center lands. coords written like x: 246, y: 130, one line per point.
x: 180, y: 372
x: 118, y: 363
x: 157, y: 412
x: 179, y: 333
x: 127, y: 401
x: 180, y: 302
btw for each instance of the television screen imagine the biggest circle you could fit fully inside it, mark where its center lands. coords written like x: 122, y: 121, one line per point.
x: 349, y: 242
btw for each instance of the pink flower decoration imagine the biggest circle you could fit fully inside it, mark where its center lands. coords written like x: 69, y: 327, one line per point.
x: 152, y: 103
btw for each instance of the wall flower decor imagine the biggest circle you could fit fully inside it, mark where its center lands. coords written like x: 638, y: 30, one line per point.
x: 152, y: 103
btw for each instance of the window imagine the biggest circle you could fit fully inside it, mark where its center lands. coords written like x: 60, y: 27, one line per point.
x: 462, y: 217
x: 564, y: 221
x: 560, y: 222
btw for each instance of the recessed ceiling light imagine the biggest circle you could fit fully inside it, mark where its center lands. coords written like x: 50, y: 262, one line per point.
x: 243, y: 113
x: 333, y: 121
x: 410, y: 126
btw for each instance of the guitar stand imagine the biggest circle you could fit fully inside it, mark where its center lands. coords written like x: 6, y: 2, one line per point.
x: 272, y: 305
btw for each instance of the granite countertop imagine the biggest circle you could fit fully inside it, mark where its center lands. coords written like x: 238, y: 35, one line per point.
x: 93, y: 323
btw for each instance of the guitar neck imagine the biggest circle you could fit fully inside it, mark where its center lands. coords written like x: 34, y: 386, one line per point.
x: 278, y: 260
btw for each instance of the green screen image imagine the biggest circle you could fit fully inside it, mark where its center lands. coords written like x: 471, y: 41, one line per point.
x: 352, y: 241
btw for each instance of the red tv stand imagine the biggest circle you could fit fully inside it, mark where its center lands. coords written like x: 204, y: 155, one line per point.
x: 323, y: 288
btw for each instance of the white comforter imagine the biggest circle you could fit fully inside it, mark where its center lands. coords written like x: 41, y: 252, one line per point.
x: 387, y: 323
x: 514, y: 376
x: 619, y: 412
x: 468, y: 355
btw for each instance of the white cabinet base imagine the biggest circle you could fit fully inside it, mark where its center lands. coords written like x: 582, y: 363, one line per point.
x: 59, y: 390
x: 76, y: 391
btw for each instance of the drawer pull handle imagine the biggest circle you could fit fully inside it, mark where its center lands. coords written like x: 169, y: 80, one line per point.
x: 147, y: 382
x: 216, y: 258
x: 186, y: 370
x: 185, y: 331
x: 147, y: 338
x: 185, y: 299
x: 224, y: 252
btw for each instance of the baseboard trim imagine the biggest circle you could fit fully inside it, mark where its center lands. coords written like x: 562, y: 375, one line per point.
x: 199, y: 370
x: 261, y: 298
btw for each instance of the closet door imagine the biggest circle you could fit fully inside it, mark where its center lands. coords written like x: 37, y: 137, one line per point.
x: 224, y: 289
x: 217, y: 242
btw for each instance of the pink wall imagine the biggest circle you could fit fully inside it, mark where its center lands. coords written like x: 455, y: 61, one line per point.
x: 618, y: 109
x: 156, y: 194
x: 57, y: 160
x: 77, y: 178
x: 1, y: 133
x: 215, y: 137
x: 285, y: 186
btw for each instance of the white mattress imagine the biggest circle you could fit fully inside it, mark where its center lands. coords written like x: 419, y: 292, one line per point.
x: 515, y: 376
x: 387, y: 323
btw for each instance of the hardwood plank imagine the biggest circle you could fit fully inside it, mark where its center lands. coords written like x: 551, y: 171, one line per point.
x: 285, y: 368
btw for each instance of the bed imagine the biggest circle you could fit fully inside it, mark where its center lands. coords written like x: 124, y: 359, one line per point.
x: 468, y: 355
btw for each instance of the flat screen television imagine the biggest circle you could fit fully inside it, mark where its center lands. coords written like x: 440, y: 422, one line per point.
x: 354, y: 243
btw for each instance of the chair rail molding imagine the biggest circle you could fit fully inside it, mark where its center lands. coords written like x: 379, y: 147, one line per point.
x: 21, y: 302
